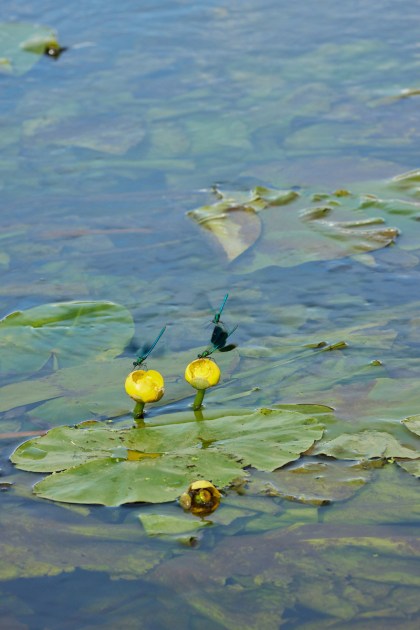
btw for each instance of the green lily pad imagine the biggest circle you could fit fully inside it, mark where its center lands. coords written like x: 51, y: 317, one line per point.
x: 113, y: 482
x: 339, y: 227
x: 412, y: 467
x: 22, y: 44
x: 155, y: 463
x: 64, y: 447
x: 69, y: 333
x: 391, y: 497
x: 371, y: 376
x: 412, y: 424
x: 234, y: 220
x: 364, y: 445
x: 313, y: 482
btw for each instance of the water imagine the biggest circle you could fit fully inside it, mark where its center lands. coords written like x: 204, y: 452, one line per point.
x: 102, y: 153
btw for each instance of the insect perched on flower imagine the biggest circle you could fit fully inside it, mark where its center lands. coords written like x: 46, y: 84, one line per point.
x: 142, y: 385
x: 204, y: 371
x: 201, y: 374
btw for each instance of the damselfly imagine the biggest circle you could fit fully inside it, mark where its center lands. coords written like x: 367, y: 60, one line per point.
x: 216, y: 318
x: 219, y: 335
x: 142, y: 357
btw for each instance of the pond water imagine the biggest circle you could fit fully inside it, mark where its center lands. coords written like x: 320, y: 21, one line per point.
x: 157, y: 109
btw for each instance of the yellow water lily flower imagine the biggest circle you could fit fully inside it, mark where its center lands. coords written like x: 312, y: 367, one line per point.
x: 145, y: 386
x: 201, y: 498
x: 202, y: 373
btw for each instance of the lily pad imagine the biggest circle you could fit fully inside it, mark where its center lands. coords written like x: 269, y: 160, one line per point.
x: 64, y: 447
x: 234, y: 220
x: 361, y: 370
x: 364, y: 445
x: 68, y: 333
x: 21, y: 45
x: 412, y: 424
x: 390, y: 498
x: 155, y: 463
x: 412, y: 467
x: 113, y: 481
x: 313, y: 482
x: 235, y: 228
x: 339, y: 227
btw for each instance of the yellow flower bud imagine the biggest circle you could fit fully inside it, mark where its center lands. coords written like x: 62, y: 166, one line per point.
x: 145, y: 386
x: 202, y: 373
x: 201, y: 498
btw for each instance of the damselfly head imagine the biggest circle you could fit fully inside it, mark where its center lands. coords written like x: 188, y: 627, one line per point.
x: 145, y: 353
x: 217, y: 316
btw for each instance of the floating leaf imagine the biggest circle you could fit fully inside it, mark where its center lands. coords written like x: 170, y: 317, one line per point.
x: 267, y: 439
x: 391, y: 497
x: 412, y: 424
x: 234, y: 220
x: 364, y: 445
x: 313, y: 482
x: 235, y: 228
x: 69, y: 333
x: 412, y: 467
x: 172, y: 451
x: 64, y: 447
x: 113, y: 482
x: 292, y: 236
x: 21, y: 45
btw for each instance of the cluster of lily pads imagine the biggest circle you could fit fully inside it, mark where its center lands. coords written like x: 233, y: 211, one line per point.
x: 155, y: 461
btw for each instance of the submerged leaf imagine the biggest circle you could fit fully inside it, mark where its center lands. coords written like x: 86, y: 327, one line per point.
x: 235, y: 228
x: 31, y: 545
x: 234, y: 220
x: 314, y: 482
x: 101, y: 133
x: 332, y: 573
x: 158, y: 524
x: 21, y: 44
x: 292, y: 236
x: 364, y: 445
x: 68, y: 333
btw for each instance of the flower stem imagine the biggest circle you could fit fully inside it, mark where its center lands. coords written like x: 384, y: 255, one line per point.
x: 198, y: 400
x: 198, y: 414
x: 138, y: 410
